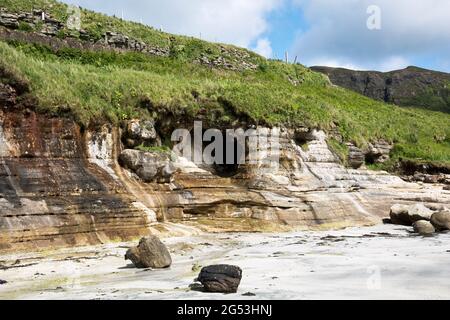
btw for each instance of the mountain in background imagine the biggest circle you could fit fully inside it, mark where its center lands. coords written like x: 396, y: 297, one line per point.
x: 412, y: 86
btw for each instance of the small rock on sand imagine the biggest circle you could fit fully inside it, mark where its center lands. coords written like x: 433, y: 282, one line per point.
x: 423, y: 227
x: 220, y: 278
x: 441, y: 220
x: 3, y: 281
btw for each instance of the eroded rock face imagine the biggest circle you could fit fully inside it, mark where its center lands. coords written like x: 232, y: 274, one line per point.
x: 356, y: 156
x: 150, y: 253
x: 220, y: 278
x: 376, y: 152
x: 61, y: 186
x: 51, y: 195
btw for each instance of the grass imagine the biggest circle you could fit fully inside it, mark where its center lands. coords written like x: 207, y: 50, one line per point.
x: 157, y: 149
x: 113, y: 86
x: 97, y: 24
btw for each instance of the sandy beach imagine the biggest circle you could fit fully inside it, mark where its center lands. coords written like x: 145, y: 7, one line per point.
x: 381, y: 262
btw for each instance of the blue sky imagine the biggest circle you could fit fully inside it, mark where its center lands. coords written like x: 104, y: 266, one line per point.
x: 318, y: 32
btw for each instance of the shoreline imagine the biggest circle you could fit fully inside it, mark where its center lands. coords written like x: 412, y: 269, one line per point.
x: 379, y: 262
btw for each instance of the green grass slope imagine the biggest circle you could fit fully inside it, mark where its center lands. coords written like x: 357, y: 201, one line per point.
x: 114, y: 86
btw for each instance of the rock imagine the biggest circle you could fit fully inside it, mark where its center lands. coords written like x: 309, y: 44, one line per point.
x: 379, y: 152
x: 407, y: 215
x: 419, y: 212
x: 220, y: 278
x: 8, y: 95
x: 399, y: 215
x: 147, y: 173
x: 441, y: 220
x: 429, y: 178
x: 133, y: 255
x: 116, y: 40
x: 139, y: 132
x: 149, y: 166
x: 356, y: 157
x: 249, y: 294
x: 9, y: 20
x: 423, y: 227
x: 3, y: 282
x: 150, y: 253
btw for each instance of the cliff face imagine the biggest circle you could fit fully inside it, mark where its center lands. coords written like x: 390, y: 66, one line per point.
x: 63, y: 186
x: 51, y: 194
x: 408, y: 87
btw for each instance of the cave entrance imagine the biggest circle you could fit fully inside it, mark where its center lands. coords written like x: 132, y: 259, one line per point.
x: 227, y: 168
x: 303, y: 137
x: 371, y: 158
x: 227, y: 158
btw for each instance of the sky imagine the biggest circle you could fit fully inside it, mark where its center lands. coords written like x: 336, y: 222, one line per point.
x: 358, y: 34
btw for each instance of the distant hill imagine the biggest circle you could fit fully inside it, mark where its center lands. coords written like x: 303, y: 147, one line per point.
x: 412, y: 86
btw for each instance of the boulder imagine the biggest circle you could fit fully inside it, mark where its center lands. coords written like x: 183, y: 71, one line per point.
x: 150, y: 253
x: 441, y: 220
x: 149, y: 166
x: 131, y: 159
x: 423, y: 227
x: 3, y: 282
x: 148, y: 172
x: 419, y: 212
x: 220, y: 278
x: 407, y: 215
x: 399, y: 214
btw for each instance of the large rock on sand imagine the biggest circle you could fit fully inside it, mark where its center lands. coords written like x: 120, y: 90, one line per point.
x: 150, y: 253
x: 407, y: 215
x: 220, y: 278
x: 441, y: 220
x: 423, y: 228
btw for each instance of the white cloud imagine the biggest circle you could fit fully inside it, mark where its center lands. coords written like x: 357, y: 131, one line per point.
x: 411, y: 30
x: 394, y: 63
x: 264, y: 48
x: 233, y: 21
x: 334, y: 63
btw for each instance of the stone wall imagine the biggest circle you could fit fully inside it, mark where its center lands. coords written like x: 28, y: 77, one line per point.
x: 41, y: 23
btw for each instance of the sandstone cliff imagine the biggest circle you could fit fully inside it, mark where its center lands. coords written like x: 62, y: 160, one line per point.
x: 61, y: 185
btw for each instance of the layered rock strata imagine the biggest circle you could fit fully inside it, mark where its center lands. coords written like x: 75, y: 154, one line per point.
x: 63, y: 186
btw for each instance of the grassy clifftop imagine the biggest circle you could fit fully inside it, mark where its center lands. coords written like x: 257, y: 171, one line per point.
x: 113, y: 86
